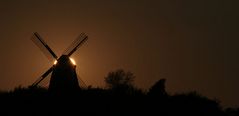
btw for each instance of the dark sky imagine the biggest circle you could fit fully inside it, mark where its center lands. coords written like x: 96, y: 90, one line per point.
x: 191, y: 43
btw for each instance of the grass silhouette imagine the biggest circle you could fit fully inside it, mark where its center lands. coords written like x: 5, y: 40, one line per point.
x: 119, y: 100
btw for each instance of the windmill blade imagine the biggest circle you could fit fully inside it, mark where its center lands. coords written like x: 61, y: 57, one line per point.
x: 82, y: 83
x: 76, y: 44
x: 37, y: 39
x: 42, y: 77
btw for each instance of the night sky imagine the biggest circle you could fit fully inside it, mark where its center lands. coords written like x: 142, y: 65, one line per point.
x: 191, y: 43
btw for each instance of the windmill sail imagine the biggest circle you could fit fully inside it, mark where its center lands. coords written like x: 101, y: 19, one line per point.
x: 37, y: 39
x: 64, y: 77
x: 75, y: 44
x: 42, y: 77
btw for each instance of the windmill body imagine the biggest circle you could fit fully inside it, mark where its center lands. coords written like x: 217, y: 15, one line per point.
x: 64, y: 77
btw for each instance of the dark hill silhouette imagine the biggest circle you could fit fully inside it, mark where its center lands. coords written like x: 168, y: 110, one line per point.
x: 125, y: 99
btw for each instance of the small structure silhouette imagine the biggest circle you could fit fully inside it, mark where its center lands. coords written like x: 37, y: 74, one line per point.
x: 158, y: 89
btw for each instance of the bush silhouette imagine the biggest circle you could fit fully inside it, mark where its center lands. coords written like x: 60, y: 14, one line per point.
x: 195, y: 104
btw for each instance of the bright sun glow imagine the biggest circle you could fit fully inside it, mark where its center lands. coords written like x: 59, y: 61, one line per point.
x: 55, y: 62
x: 73, y: 61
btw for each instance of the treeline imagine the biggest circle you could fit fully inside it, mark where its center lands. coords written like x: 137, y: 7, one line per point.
x: 119, y: 97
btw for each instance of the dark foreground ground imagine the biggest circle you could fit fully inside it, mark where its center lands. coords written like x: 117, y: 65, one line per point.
x: 93, y: 101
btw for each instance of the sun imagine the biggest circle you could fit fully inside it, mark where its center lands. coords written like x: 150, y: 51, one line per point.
x: 73, y: 61
x: 55, y: 62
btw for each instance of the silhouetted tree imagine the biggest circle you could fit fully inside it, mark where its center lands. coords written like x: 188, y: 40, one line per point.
x: 158, y: 89
x: 120, y: 81
x: 119, y: 78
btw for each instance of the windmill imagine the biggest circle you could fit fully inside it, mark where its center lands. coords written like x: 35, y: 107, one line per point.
x: 64, y: 76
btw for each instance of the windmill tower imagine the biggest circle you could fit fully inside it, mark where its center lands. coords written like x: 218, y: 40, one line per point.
x: 64, y: 77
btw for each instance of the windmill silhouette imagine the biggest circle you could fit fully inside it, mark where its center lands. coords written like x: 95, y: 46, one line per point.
x: 64, y: 76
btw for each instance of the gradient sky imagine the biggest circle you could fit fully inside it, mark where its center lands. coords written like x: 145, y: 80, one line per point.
x: 191, y: 43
